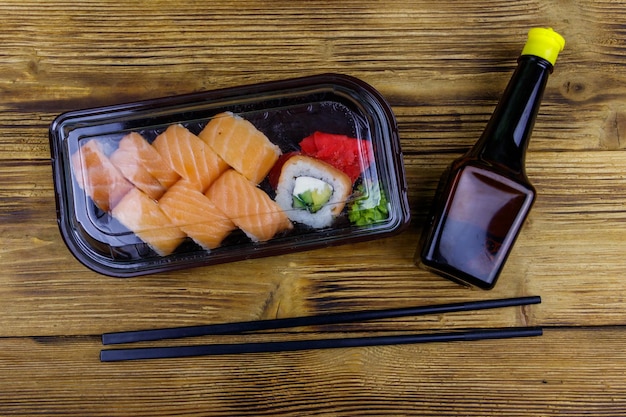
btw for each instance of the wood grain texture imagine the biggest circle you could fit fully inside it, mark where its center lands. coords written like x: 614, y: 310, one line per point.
x: 442, y: 67
x: 534, y: 377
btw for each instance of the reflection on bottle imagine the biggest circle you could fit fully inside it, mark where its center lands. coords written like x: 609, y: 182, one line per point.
x: 479, y: 225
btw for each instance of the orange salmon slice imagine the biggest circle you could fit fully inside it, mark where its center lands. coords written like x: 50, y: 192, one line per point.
x: 249, y: 207
x: 132, y: 159
x: 98, y: 177
x: 149, y: 159
x: 196, y: 215
x: 241, y: 145
x: 189, y: 156
x: 143, y: 216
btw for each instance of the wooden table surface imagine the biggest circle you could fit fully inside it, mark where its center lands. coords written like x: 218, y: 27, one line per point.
x: 442, y: 66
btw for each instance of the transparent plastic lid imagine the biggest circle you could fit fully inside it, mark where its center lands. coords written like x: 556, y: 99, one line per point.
x: 228, y: 175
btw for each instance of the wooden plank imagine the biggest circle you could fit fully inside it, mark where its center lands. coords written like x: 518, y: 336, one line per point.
x: 448, y: 99
x: 564, y: 372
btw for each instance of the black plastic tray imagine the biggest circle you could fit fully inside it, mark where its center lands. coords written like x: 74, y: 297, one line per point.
x: 285, y: 111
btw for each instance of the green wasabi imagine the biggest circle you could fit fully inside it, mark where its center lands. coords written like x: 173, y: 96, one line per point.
x: 371, y: 206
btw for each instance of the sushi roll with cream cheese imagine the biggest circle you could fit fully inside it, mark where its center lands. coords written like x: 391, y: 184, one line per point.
x: 311, y: 191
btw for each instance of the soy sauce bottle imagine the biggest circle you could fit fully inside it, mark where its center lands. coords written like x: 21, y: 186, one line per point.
x: 484, y: 196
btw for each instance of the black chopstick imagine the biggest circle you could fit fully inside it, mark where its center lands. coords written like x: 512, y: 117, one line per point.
x: 317, y: 320
x: 114, y: 355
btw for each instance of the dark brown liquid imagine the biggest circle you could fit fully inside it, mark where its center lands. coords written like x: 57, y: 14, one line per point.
x: 485, y: 196
x: 478, y: 224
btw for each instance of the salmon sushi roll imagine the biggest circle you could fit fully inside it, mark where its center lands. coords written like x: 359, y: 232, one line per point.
x: 189, y: 156
x: 249, y: 207
x: 98, y: 177
x: 148, y: 159
x: 241, y: 145
x: 143, y: 216
x: 196, y: 215
x: 132, y: 158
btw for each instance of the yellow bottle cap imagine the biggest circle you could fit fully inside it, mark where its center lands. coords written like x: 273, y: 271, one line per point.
x: 544, y: 43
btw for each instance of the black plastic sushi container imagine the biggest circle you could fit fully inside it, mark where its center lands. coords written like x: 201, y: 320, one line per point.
x: 112, y: 223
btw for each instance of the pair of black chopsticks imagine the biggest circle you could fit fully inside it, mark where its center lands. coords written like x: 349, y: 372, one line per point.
x: 111, y: 355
